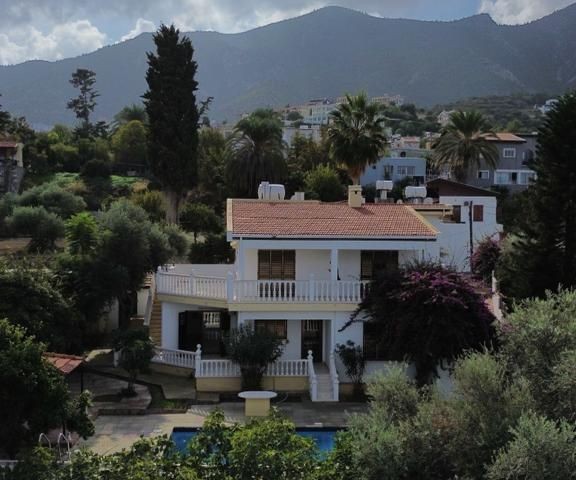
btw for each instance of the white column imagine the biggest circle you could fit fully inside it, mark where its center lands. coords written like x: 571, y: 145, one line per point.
x: 240, y: 260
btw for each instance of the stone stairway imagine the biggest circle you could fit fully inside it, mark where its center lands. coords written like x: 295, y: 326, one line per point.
x: 155, y: 328
x: 324, y: 391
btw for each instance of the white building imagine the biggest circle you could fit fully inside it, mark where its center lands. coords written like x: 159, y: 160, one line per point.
x: 301, y: 269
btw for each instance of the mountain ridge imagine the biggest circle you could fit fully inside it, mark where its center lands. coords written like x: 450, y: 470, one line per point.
x: 320, y: 54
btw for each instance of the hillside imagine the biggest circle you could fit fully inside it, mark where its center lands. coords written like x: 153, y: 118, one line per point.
x: 322, y: 54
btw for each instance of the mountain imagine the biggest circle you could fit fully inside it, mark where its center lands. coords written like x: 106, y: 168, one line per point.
x: 322, y: 54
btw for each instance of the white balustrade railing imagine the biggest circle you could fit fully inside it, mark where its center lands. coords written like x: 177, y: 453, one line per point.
x: 262, y: 291
x: 288, y: 368
x: 312, y: 379
x: 334, y: 378
x: 177, y: 358
x: 217, y: 368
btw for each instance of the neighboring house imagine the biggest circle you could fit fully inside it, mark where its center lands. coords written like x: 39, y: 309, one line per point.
x: 548, y: 106
x: 395, y: 169
x: 309, y: 131
x: 11, y: 166
x: 444, y: 117
x: 301, y: 269
x: 511, y: 172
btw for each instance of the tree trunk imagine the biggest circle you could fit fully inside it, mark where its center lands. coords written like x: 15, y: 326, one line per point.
x: 172, y: 206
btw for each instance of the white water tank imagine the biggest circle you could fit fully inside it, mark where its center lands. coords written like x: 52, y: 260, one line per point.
x: 415, y: 192
x: 384, y: 185
x: 271, y: 191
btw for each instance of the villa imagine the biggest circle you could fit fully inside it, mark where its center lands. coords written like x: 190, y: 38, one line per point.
x: 301, y: 268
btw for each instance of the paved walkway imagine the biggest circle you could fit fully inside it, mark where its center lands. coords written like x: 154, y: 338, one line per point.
x: 114, y: 433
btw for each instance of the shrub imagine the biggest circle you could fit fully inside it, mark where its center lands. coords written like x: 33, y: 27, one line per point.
x: 137, y: 351
x: 324, y: 183
x: 44, y: 227
x: 95, y: 169
x: 54, y: 199
x: 153, y: 202
x: 81, y: 233
x: 540, y: 450
x: 253, y: 350
x: 178, y: 240
x: 199, y: 218
x: 485, y: 258
x: 214, y: 249
x: 354, y: 363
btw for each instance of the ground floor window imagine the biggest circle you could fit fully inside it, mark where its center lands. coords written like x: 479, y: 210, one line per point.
x: 279, y: 328
x: 373, y: 350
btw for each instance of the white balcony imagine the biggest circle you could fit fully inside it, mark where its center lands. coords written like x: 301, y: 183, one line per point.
x: 261, y: 291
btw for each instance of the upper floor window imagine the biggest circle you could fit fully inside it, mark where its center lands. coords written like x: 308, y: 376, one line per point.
x: 514, y: 177
x: 276, y: 265
x: 478, y: 213
x: 406, y: 170
x: 509, y: 153
x: 483, y: 174
x: 456, y: 214
x: 372, y: 262
x: 278, y: 328
x: 372, y: 344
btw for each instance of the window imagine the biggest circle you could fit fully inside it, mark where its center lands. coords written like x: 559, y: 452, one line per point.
x: 279, y: 328
x: 478, y: 213
x: 388, y: 172
x: 483, y: 174
x: 526, y: 178
x: 276, y: 264
x: 456, y: 214
x: 514, y: 177
x: 509, y: 153
x: 372, y: 262
x: 406, y: 170
x: 372, y: 348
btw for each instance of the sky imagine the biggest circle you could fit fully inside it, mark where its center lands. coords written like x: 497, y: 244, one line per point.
x: 55, y: 29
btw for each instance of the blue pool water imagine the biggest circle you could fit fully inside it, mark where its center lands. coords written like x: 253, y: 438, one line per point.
x: 324, y: 437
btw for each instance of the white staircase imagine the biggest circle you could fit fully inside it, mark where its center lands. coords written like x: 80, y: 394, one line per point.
x: 325, y: 390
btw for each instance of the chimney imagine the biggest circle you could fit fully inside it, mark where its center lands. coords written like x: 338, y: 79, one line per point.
x: 355, y: 199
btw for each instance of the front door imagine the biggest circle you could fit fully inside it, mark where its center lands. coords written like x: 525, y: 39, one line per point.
x: 312, y: 338
x: 189, y: 330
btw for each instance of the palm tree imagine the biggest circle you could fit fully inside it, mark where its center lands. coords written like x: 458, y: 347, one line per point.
x: 256, y: 152
x: 465, y: 143
x: 356, y: 136
x: 129, y: 113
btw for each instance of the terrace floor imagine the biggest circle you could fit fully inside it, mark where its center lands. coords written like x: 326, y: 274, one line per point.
x: 114, y: 433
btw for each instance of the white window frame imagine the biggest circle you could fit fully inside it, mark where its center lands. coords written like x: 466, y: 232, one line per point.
x: 518, y: 173
x: 404, y: 170
x: 483, y: 175
x: 509, y: 152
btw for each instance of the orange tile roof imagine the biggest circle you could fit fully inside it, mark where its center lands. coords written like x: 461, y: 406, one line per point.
x: 65, y: 363
x: 317, y: 220
x: 505, y: 137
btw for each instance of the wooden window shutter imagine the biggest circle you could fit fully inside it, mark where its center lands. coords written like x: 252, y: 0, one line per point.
x: 264, y: 265
x: 478, y: 213
x: 276, y: 264
x: 289, y: 266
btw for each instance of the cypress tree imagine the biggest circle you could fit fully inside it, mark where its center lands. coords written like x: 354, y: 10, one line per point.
x: 173, y: 116
x: 547, y: 247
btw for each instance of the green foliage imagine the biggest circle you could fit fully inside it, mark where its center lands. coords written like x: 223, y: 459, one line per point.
x: 83, y: 105
x: 540, y: 450
x: 54, y: 199
x: 537, y: 340
x: 485, y: 259
x: 64, y: 157
x: 354, y: 362
x: 548, y: 239
x: 137, y: 351
x: 393, y: 394
x: 31, y: 297
x: 95, y: 169
x: 178, y: 241
x: 325, y: 184
x: 44, y: 227
x: 212, y: 158
x: 37, y: 398
x: 130, y: 113
x: 426, y: 314
x: 82, y: 233
x: 256, y: 153
x: 130, y: 147
x: 214, y: 249
x: 173, y: 115
x: 356, y: 135
x: 152, y: 202
x: 253, y: 350
x: 463, y: 144
x: 198, y: 218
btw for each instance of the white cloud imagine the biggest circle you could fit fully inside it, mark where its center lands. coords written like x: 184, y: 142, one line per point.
x: 140, y: 27
x: 512, y: 12
x: 64, y: 40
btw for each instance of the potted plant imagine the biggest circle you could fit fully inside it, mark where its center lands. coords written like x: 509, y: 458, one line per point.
x: 253, y: 350
x: 354, y: 362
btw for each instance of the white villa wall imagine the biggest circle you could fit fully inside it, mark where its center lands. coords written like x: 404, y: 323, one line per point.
x: 170, y: 313
x: 313, y: 262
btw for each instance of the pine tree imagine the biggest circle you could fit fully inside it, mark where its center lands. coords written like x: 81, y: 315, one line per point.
x: 83, y: 105
x: 173, y: 116
x: 547, y: 250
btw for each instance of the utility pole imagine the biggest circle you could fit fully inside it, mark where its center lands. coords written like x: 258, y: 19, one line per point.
x: 470, y: 225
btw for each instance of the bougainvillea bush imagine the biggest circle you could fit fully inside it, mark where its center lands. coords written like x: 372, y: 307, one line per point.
x: 485, y: 258
x: 426, y: 314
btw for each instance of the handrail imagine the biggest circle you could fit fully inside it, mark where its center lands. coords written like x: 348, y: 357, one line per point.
x: 150, y: 300
x: 288, y: 368
x: 334, y: 378
x: 312, y: 379
x: 177, y: 358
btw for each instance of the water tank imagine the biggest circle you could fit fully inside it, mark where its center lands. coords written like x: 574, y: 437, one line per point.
x: 415, y: 192
x: 271, y: 191
x: 384, y: 185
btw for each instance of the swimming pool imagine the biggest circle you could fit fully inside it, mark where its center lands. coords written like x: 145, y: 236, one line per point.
x: 323, y: 436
